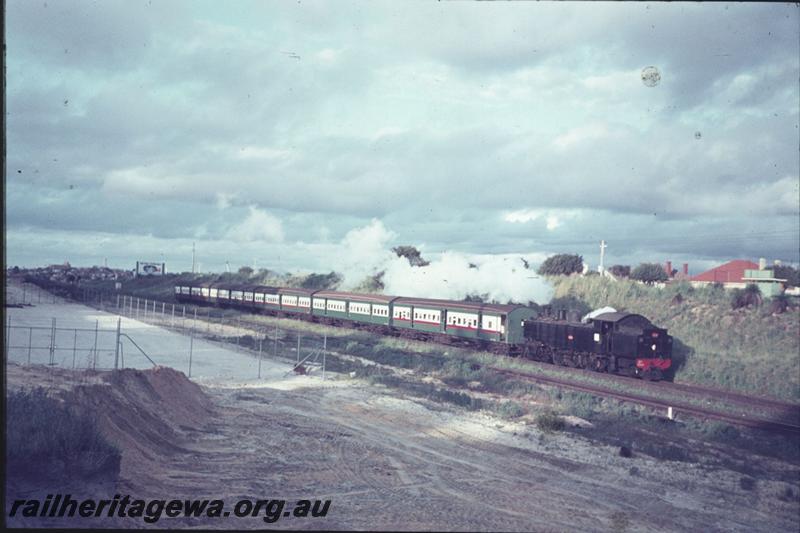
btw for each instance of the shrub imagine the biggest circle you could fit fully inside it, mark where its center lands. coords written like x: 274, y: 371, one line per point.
x: 548, y: 421
x: 747, y: 297
x: 509, y: 410
x: 747, y: 483
x: 649, y: 273
x: 778, y: 305
x: 569, y: 303
x: 46, y: 440
x: 561, y: 265
x: 620, y: 271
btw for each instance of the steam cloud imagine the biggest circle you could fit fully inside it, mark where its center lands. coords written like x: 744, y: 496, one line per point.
x: 366, y: 251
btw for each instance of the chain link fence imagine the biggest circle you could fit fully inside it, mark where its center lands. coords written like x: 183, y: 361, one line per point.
x: 105, y: 348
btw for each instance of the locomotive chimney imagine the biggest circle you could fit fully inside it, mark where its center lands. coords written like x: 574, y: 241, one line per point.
x: 669, y: 269
x: 686, y: 269
x: 562, y: 314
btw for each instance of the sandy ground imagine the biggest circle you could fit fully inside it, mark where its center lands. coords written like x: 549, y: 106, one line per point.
x: 386, y: 461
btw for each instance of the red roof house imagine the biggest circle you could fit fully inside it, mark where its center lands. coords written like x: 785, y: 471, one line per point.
x: 730, y: 272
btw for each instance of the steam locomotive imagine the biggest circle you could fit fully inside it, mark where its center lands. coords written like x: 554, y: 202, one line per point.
x: 621, y: 343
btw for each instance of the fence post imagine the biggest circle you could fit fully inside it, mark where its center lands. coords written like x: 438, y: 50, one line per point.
x: 137, y: 308
x: 172, y: 319
x: 117, y: 300
x: 74, y: 348
x: 191, y: 348
x: 260, y: 341
x: 238, y: 327
x: 116, y: 345
x: 275, y: 351
x: 8, y: 337
x: 53, y: 342
x: 298, y: 347
x: 30, y: 343
x: 208, y: 321
x: 24, y: 290
x: 183, y: 321
x: 96, y: 326
x: 194, y: 323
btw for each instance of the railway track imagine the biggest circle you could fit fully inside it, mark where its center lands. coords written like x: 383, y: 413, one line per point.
x: 695, y: 400
x: 742, y: 418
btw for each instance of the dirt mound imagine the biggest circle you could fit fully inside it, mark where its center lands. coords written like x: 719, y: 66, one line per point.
x: 146, y: 414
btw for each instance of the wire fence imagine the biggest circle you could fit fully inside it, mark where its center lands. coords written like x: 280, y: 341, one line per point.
x: 33, y: 341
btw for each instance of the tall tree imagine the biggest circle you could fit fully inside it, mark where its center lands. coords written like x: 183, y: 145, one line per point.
x: 649, y: 273
x: 561, y: 265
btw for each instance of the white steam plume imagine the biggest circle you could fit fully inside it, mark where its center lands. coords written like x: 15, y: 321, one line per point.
x: 366, y: 251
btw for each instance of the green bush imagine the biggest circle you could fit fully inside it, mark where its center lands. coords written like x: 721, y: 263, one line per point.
x: 548, y: 421
x: 46, y: 440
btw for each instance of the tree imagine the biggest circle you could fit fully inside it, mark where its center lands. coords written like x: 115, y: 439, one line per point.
x: 245, y: 271
x: 412, y: 254
x: 322, y: 281
x: 561, y: 265
x: 621, y: 271
x: 789, y: 273
x: 649, y: 273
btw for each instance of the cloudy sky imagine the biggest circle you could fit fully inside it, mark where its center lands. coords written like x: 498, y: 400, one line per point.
x: 311, y: 135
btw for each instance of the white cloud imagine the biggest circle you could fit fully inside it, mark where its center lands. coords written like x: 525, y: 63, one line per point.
x: 258, y: 226
x: 553, y: 218
x: 591, y: 132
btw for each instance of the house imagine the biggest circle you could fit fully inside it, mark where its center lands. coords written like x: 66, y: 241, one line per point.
x: 739, y: 273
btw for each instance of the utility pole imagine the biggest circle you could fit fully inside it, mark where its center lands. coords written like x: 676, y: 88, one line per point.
x: 603, y: 247
x: 193, y: 259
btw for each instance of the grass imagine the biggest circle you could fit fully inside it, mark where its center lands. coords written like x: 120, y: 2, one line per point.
x: 746, y: 349
x: 48, y: 441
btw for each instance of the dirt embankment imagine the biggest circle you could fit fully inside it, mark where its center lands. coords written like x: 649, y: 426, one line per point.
x: 147, y: 415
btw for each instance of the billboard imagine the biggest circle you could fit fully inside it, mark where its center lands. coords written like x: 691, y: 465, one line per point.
x: 144, y: 268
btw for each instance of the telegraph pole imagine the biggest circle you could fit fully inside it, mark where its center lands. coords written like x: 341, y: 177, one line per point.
x: 193, y: 259
x: 603, y: 247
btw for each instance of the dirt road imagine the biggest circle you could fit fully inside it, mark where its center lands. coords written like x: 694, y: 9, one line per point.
x: 393, y: 463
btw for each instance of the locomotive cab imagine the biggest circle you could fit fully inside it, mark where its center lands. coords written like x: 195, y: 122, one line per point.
x: 636, y: 346
x: 654, y: 354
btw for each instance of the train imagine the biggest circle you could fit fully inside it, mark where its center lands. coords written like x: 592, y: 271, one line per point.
x: 614, y: 342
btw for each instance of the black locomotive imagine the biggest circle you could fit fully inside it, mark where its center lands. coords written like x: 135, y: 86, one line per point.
x: 621, y: 343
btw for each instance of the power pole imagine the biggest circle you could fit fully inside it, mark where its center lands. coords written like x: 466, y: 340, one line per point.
x: 193, y: 260
x: 603, y: 247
